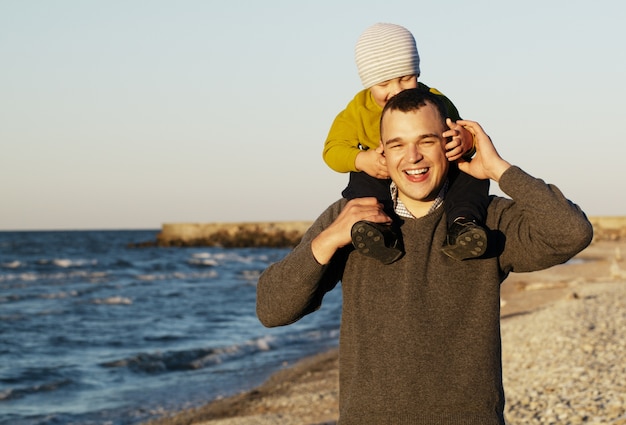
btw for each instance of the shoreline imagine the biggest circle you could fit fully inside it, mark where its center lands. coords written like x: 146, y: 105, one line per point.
x: 306, y: 392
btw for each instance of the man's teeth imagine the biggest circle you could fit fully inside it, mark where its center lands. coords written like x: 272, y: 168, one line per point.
x: 416, y: 172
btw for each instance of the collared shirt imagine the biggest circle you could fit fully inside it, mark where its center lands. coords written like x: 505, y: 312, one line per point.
x: 402, y: 210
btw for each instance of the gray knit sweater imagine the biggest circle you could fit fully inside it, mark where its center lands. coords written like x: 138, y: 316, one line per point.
x: 420, y: 338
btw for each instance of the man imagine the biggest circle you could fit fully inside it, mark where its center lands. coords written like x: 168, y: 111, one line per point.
x: 420, y: 338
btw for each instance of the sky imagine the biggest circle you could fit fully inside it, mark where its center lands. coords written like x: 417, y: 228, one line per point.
x: 127, y: 114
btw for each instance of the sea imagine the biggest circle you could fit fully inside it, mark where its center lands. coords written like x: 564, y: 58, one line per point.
x: 96, y: 331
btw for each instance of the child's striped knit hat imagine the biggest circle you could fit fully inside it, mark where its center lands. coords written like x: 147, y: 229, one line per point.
x: 384, y: 52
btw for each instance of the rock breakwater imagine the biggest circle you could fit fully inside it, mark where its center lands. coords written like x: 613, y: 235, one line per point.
x: 288, y: 233
x: 233, y: 235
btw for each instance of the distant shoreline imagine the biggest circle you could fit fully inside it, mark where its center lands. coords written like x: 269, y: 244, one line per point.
x: 285, y: 234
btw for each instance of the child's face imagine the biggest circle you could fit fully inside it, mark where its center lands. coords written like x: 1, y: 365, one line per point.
x: 386, y: 90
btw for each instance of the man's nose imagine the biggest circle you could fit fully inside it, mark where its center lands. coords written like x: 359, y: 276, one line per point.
x: 413, y: 154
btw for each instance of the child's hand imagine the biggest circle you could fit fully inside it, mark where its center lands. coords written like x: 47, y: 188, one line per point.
x: 373, y: 163
x: 487, y: 164
x: 462, y: 141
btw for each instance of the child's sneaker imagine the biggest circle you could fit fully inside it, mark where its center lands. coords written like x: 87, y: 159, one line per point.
x: 466, y: 239
x: 376, y: 240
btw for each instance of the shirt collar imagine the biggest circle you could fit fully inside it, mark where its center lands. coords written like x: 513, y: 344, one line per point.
x: 402, y: 210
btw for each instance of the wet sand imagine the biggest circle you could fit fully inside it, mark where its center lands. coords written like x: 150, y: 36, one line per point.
x: 306, y: 393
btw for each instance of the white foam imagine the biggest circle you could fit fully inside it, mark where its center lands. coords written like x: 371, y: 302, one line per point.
x: 177, y: 275
x: 62, y: 262
x: 207, y: 262
x: 116, y: 300
x: 263, y: 343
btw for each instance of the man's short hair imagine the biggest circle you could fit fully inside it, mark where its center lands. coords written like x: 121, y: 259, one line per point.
x: 412, y: 100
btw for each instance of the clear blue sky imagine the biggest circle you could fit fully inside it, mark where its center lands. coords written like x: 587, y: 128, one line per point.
x: 128, y: 114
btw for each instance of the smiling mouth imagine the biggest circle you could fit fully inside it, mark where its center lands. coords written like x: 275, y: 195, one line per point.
x: 417, y: 172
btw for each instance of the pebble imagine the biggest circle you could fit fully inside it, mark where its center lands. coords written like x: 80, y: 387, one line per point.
x: 566, y: 364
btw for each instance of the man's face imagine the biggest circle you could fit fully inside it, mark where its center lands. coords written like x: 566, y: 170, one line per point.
x: 384, y: 91
x: 415, y: 153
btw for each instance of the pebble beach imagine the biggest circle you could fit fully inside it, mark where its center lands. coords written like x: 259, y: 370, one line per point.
x: 564, y: 356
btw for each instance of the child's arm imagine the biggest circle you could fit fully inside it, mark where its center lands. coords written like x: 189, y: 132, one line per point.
x: 354, y: 132
x: 342, y: 144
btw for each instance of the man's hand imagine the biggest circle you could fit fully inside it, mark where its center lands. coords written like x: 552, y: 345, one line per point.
x: 487, y: 163
x: 373, y: 163
x: 460, y: 143
x: 338, y: 234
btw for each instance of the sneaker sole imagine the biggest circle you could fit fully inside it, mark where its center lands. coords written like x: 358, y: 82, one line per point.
x: 370, y: 241
x: 471, y: 244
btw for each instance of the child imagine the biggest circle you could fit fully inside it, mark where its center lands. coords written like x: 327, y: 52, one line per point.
x: 388, y: 62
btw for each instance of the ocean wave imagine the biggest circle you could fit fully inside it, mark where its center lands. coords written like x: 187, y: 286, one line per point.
x: 251, y: 275
x: 12, y: 264
x: 234, y: 256
x: 164, y: 338
x: 61, y: 277
x: 12, y: 317
x: 72, y: 293
x: 202, y: 262
x: 70, y: 301
x: 177, y: 275
x: 15, y: 393
x: 60, y: 295
x: 67, y: 262
x: 191, y: 359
